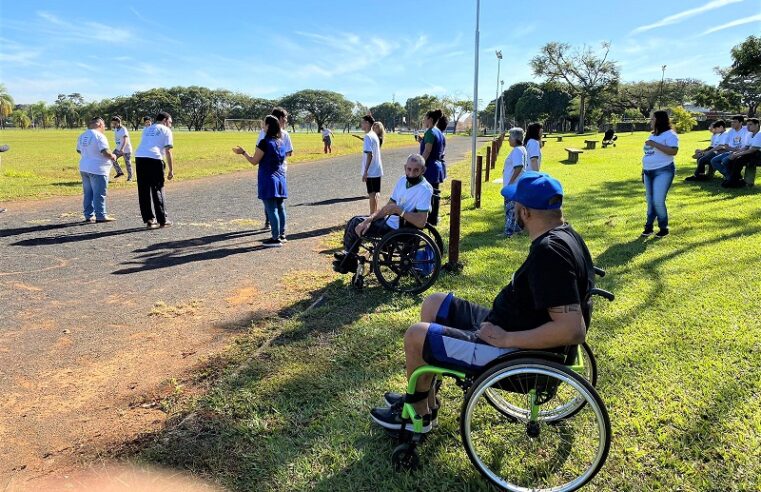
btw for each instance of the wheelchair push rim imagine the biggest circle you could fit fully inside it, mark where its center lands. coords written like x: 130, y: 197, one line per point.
x: 535, y: 454
x: 585, y: 367
x: 407, y: 262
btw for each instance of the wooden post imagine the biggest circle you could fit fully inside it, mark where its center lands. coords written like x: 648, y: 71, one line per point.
x: 493, y: 161
x: 453, y: 265
x: 479, y: 178
x: 486, y: 177
x: 488, y: 160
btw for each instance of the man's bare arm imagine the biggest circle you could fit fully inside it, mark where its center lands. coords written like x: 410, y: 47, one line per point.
x: 566, y: 327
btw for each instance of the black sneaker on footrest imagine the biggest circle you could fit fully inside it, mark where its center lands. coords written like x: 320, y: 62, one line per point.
x: 390, y: 418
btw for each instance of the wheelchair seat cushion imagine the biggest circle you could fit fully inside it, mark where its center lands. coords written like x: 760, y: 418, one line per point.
x: 458, y: 349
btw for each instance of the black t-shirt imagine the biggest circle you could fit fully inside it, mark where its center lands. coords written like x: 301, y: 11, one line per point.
x: 557, y: 272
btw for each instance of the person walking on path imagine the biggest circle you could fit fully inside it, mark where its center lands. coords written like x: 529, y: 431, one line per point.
x: 272, y: 185
x: 327, y: 140
x: 155, y: 146
x: 431, y: 147
x: 533, y: 144
x: 658, y: 172
x: 516, y: 164
x: 282, y: 117
x: 95, y: 167
x: 372, y: 164
x: 123, y: 147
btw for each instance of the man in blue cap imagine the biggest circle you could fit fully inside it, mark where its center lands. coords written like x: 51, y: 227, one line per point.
x: 539, y: 309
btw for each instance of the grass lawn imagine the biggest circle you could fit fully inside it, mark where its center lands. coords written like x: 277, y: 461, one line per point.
x: 43, y: 163
x: 679, y: 351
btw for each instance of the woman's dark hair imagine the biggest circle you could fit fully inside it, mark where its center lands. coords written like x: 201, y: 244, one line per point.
x: 719, y: 123
x: 116, y: 119
x: 739, y: 118
x: 662, y: 122
x: 162, y: 116
x: 273, y: 126
x: 368, y: 118
x: 279, y: 112
x: 442, y: 123
x: 435, y: 115
x: 752, y: 120
x: 533, y: 131
x: 147, y: 118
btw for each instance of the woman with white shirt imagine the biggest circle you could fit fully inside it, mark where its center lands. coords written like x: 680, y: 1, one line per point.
x: 658, y: 172
x: 327, y: 139
x: 534, y: 146
x: 515, y: 164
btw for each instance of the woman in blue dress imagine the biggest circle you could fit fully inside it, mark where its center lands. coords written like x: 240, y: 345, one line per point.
x: 432, y: 148
x: 271, y: 180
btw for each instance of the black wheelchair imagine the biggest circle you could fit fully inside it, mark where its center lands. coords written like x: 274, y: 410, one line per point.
x: 406, y: 260
x: 530, y: 420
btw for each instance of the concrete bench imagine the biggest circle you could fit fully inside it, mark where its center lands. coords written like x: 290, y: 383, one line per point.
x: 573, y: 154
x: 559, y: 137
x: 750, y: 173
x: 590, y: 144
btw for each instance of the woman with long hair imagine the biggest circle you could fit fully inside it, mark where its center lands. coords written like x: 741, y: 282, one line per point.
x: 658, y: 172
x: 271, y: 181
x: 379, y: 130
x: 431, y: 148
x: 515, y: 164
x: 534, y: 146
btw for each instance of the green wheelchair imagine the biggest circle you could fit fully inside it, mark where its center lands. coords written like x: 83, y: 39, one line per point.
x: 530, y: 421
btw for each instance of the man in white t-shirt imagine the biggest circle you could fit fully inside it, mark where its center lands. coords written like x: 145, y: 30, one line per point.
x: 409, y: 204
x: 282, y: 116
x: 95, y: 167
x: 123, y: 147
x: 740, y: 158
x: 155, y: 147
x: 704, y: 156
x: 736, y: 139
x: 372, y: 165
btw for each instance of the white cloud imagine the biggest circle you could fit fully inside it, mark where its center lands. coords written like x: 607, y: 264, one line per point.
x: 734, y: 23
x: 679, y: 17
x: 85, y: 31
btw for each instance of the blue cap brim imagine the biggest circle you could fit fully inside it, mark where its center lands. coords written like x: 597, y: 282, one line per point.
x: 509, y: 191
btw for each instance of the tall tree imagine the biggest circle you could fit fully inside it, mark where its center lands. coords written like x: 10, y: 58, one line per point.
x: 743, y: 77
x: 6, y: 105
x: 390, y: 113
x: 530, y: 106
x: 584, y: 71
x: 194, y: 105
x: 326, y: 107
x: 417, y: 106
x: 511, y: 95
x: 456, y: 108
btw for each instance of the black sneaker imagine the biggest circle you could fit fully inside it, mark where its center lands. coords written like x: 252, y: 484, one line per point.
x: 662, y: 233
x: 393, y: 399
x: 118, y: 175
x: 283, y: 239
x: 272, y: 243
x: 391, y: 419
x: 647, y: 232
x: 694, y: 177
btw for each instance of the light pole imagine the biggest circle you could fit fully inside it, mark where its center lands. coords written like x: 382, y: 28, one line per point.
x: 474, y: 119
x: 496, y: 96
x: 660, y: 91
x: 501, y: 109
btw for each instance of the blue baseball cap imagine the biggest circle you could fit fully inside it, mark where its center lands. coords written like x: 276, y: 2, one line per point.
x: 535, y: 190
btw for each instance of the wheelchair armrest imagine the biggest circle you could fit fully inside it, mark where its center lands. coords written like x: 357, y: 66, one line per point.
x: 599, y: 272
x: 602, y: 293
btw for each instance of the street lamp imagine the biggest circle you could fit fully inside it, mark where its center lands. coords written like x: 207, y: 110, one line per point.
x: 496, y: 96
x: 474, y: 119
x: 660, y: 91
x: 501, y: 108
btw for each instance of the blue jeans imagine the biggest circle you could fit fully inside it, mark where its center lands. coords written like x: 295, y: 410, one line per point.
x: 720, y: 163
x: 95, y: 187
x: 657, y: 184
x: 275, y: 210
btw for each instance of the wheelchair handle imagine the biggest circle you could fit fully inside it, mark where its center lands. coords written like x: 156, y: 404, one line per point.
x: 602, y: 293
x: 599, y: 271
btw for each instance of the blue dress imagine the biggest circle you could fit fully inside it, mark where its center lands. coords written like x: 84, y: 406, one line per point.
x: 434, y: 167
x: 271, y: 177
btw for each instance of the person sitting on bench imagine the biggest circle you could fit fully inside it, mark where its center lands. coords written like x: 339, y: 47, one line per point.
x: 739, y: 159
x: 704, y: 156
x: 410, y: 203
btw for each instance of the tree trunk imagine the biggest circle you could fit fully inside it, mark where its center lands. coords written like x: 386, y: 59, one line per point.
x: 582, y: 104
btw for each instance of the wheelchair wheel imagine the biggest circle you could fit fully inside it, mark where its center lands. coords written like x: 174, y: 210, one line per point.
x: 407, y: 261
x: 568, y: 400
x: 431, y: 231
x: 525, y: 451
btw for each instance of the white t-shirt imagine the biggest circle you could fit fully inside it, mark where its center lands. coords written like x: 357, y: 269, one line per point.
x: 654, y: 158
x: 119, y: 135
x: 372, y: 144
x: 534, y: 149
x: 89, y: 145
x: 755, y: 140
x: 325, y: 133
x: 156, y: 139
x: 518, y: 157
x: 718, y: 139
x: 737, y: 139
x: 413, y: 199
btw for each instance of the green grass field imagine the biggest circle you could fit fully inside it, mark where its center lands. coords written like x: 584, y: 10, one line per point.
x: 679, y: 351
x: 44, y: 163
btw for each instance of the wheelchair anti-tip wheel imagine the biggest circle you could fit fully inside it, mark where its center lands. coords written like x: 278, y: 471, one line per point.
x: 407, y: 261
x: 568, y: 401
x: 529, y: 451
x: 405, y: 458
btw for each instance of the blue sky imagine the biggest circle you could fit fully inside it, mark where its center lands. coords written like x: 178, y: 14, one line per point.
x: 370, y: 51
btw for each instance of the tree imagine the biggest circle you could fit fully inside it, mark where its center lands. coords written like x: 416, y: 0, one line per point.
x: 530, y: 106
x: 40, y: 114
x: 746, y: 57
x: 584, y: 71
x: 744, y: 76
x: 67, y: 110
x: 682, y: 120
x: 20, y: 119
x: 326, y: 107
x: 417, y: 106
x: 513, y: 93
x: 6, y: 105
x: 486, y: 115
x: 718, y: 98
x: 456, y: 108
x: 390, y: 113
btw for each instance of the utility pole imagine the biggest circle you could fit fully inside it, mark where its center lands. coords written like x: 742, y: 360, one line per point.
x: 501, y: 106
x: 660, y: 91
x: 496, y: 97
x: 474, y: 119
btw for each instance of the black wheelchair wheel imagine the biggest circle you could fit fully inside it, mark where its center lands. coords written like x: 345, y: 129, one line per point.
x: 528, y: 452
x: 565, y: 408
x: 407, y: 261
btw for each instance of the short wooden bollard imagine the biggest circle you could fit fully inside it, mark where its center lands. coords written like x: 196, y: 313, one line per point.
x: 453, y: 265
x: 486, y: 174
x: 493, y: 161
x: 479, y: 178
x: 488, y: 161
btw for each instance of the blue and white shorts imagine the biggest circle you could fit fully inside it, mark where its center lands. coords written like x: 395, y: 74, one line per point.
x: 452, y: 341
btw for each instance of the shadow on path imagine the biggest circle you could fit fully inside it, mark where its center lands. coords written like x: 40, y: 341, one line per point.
x: 42, y: 241
x: 331, y: 201
x: 38, y: 228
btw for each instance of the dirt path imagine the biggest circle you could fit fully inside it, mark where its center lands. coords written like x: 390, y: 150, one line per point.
x: 98, y: 319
